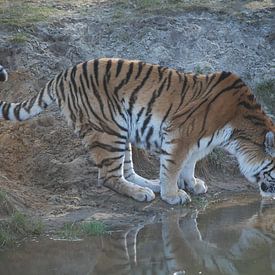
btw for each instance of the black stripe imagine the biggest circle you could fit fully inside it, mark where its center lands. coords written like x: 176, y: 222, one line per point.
x: 109, y: 161
x: 210, y: 141
x: 140, y: 67
x: 72, y: 116
x: 133, y: 97
x: 61, y: 89
x: 85, y: 73
x: 48, y: 87
x: 66, y: 74
x: 215, y: 97
x: 247, y: 105
x: 145, y: 123
x: 98, y: 97
x: 115, y: 169
x: 119, y: 67
x: 148, y: 136
x: 199, y: 139
x: 110, y: 177
x: 40, y: 98
x: 81, y: 89
x: 222, y: 77
x: 160, y: 72
x: 164, y: 166
x: 106, y: 147
x: 164, y: 118
x: 107, y: 72
x: 124, y: 81
x: 96, y: 71
x: 171, y: 161
x: 129, y: 73
x: 5, y: 110
x: 109, y: 101
x: 73, y: 96
x: 16, y: 111
x: 139, y: 114
x: 255, y: 120
x: 155, y: 95
x: 183, y: 92
x: 137, y: 138
x: 169, y: 80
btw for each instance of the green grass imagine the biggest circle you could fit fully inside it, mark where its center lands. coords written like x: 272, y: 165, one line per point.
x: 18, y: 226
x: 19, y: 38
x: 72, y: 231
x: 22, y: 13
x: 265, y: 91
x: 3, y: 196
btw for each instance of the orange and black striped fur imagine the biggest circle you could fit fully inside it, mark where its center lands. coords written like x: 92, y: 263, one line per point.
x: 113, y: 103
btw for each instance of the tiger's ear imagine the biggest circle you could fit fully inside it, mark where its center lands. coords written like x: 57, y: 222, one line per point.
x: 270, y: 143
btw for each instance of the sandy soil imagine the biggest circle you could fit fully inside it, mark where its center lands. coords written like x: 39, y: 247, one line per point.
x: 44, y: 168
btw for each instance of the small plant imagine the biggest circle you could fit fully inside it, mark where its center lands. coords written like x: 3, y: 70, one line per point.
x: 198, y: 70
x: 3, y: 196
x: 5, y: 236
x: 19, y: 223
x: 73, y: 231
x: 19, y: 38
x: 70, y: 231
x: 93, y: 228
x: 18, y: 226
x: 20, y: 14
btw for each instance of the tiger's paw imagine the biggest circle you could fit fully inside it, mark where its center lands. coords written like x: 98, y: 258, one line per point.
x: 181, y: 197
x: 154, y: 185
x: 143, y: 194
x: 198, y: 188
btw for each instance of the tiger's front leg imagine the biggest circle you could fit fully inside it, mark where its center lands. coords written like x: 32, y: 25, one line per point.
x: 170, y: 166
x: 188, y: 181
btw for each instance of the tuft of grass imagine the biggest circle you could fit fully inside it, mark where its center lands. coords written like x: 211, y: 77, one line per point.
x: 94, y: 228
x: 18, y: 226
x: 265, y: 91
x: 72, y: 231
x: 199, y: 202
x: 19, y: 38
x: 22, y: 13
x: 5, y: 236
x: 3, y: 196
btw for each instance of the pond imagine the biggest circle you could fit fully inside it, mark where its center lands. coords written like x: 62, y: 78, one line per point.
x: 231, y: 237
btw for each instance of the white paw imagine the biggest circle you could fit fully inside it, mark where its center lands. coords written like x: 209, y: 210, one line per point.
x: 181, y: 197
x: 154, y: 185
x: 143, y: 194
x: 199, y: 187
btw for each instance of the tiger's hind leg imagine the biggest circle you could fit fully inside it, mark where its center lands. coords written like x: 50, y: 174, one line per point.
x: 108, y: 154
x: 132, y: 176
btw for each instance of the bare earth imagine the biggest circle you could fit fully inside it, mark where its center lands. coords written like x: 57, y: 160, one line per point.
x: 44, y: 168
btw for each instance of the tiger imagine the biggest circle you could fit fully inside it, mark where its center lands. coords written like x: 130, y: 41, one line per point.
x: 114, y: 103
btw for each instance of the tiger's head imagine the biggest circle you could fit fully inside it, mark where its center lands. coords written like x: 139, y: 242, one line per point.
x: 266, y: 176
x: 3, y: 74
x: 253, y: 141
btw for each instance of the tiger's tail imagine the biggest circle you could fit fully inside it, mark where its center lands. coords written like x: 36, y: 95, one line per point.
x: 28, y: 108
x: 3, y: 74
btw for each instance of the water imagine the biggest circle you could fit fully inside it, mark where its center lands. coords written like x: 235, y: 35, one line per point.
x: 235, y: 237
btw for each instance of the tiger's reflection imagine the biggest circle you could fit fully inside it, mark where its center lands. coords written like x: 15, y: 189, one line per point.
x: 230, y: 240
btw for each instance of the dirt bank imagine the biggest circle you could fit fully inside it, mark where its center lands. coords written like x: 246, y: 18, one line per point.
x: 44, y: 168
